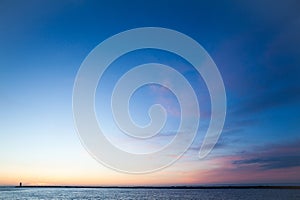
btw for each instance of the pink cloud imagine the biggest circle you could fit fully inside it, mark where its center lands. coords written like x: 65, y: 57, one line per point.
x: 278, y: 163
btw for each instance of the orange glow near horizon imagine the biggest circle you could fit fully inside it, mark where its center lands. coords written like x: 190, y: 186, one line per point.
x: 211, y: 171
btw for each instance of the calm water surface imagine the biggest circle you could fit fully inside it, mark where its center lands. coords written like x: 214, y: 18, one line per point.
x: 112, y: 193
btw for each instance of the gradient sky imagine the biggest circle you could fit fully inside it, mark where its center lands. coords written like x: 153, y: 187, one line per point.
x: 255, y: 45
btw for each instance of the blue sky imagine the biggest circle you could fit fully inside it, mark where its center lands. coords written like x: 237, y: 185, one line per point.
x: 254, y: 44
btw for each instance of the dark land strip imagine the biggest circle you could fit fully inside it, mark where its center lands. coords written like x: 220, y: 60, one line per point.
x: 169, y: 187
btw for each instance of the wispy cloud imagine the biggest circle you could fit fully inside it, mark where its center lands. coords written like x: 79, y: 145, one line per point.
x: 272, y: 163
x: 272, y: 157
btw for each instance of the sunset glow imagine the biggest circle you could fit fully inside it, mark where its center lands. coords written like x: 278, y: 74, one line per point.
x: 253, y: 44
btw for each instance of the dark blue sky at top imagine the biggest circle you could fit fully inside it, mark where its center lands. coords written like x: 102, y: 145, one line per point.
x: 255, y: 45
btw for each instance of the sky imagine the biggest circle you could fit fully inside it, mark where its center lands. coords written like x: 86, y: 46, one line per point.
x: 253, y: 43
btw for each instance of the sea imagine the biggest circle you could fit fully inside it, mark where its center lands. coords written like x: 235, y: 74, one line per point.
x: 8, y: 193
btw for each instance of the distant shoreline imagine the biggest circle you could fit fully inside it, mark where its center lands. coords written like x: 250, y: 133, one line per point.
x: 168, y: 187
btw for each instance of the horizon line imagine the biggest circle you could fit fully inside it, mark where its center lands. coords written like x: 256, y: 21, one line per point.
x: 168, y: 187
